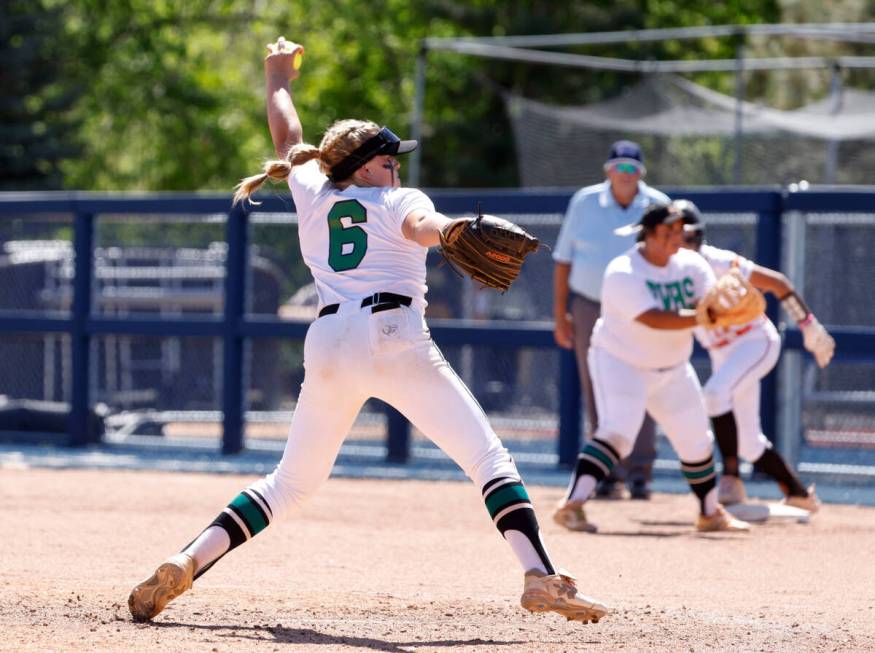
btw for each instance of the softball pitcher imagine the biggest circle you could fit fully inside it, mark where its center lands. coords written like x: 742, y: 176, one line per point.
x: 365, y: 240
x: 740, y: 357
x: 639, y: 361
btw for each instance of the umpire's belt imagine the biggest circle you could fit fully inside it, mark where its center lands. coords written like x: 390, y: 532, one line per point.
x: 380, y: 301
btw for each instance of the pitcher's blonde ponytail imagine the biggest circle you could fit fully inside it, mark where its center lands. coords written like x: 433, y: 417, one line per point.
x: 339, y: 141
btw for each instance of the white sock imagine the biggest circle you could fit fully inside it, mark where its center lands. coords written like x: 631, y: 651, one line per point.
x: 209, y: 546
x: 524, y: 551
x: 583, y: 488
x: 710, y: 502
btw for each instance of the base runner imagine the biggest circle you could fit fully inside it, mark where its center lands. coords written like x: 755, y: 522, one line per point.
x: 639, y: 360
x: 740, y: 357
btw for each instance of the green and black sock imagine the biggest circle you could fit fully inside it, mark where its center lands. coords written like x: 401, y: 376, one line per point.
x: 702, y: 478
x: 597, y: 460
x: 244, y: 518
x: 511, y: 510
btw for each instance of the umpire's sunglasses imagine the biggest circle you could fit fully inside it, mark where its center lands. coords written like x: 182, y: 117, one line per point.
x: 627, y: 168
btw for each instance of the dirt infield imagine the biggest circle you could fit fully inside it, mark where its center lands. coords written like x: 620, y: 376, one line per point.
x: 415, y: 566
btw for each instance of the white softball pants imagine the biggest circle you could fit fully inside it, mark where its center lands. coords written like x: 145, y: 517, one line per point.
x: 736, y: 370
x: 355, y: 354
x: 673, y: 397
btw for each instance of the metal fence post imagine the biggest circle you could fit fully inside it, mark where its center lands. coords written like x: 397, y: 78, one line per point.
x: 83, y: 243
x: 569, y: 408
x: 416, y: 119
x: 237, y: 237
x: 790, y: 386
x: 768, y: 254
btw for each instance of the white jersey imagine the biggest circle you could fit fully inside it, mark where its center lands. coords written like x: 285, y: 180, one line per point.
x: 633, y: 286
x: 352, y: 241
x: 721, y: 261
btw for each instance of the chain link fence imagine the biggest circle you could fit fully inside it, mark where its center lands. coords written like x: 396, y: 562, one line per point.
x: 172, y: 266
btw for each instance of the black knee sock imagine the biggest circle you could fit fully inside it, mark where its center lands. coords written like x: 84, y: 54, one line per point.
x: 702, y: 477
x: 510, y: 508
x: 773, y: 465
x: 244, y: 518
x: 726, y: 434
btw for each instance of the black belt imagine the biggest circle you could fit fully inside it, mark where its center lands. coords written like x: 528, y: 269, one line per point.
x: 381, y: 301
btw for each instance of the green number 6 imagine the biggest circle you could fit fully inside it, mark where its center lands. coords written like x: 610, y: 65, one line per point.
x: 340, y: 236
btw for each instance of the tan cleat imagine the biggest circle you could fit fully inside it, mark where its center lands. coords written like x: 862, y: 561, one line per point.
x: 721, y: 521
x: 811, y: 503
x: 730, y: 490
x: 169, y: 581
x: 558, y: 593
x: 572, y: 516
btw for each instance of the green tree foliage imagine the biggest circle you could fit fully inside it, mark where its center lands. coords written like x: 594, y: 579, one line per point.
x: 166, y: 101
x: 169, y: 92
x: 36, y: 132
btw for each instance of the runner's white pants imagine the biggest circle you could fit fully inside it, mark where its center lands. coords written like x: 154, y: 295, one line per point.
x: 736, y: 370
x: 672, y: 396
x: 355, y: 354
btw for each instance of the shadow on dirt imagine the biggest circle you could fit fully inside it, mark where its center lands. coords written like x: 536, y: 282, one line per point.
x: 283, y: 635
x: 656, y: 534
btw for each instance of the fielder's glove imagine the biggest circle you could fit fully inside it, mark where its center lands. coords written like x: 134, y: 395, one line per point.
x: 816, y: 339
x: 488, y: 249
x: 731, y: 301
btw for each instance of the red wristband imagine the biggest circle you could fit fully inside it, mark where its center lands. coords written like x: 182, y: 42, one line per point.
x: 808, y: 319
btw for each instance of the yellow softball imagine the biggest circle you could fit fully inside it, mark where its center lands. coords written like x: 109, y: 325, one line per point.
x: 297, y: 60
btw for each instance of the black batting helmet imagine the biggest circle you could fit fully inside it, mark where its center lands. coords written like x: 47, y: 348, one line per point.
x: 694, y: 228
x: 654, y: 214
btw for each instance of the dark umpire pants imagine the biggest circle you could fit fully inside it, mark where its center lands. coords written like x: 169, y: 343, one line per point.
x: 639, y: 464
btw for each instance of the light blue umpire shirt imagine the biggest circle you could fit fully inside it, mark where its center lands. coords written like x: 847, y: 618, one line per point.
x: 587, y: 240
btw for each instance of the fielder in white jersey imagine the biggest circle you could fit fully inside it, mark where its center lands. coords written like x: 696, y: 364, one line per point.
x: 639, y: 361
x: 741, y: 356
x: 365, y: 241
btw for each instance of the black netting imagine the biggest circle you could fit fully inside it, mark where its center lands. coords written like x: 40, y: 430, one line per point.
x: 689, y: 137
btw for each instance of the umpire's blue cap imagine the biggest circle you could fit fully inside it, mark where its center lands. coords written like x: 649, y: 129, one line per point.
x: 626, y: 152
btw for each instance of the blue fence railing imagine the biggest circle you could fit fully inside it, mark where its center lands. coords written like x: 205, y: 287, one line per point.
x: 234, y: 327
